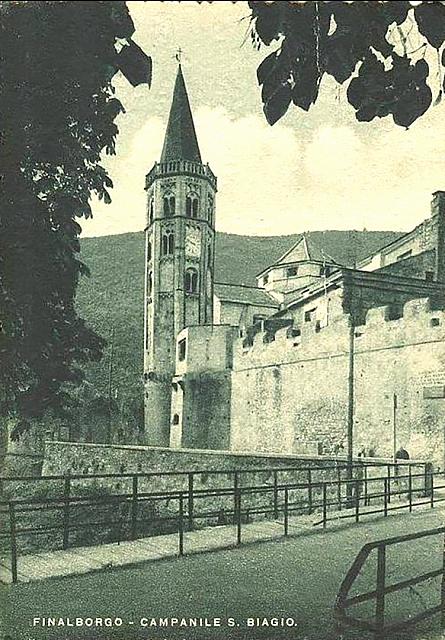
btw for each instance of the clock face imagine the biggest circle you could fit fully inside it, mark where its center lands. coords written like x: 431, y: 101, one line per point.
x: 193, y: 242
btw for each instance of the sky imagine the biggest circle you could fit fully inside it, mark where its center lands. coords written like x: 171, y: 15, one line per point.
x: 312, y: 170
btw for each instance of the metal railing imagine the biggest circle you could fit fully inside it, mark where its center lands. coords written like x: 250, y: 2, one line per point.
x: 138, y: 513
x: 378, y: 625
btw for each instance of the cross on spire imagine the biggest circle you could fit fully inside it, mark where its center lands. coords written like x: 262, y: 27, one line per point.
x: 178, y: 55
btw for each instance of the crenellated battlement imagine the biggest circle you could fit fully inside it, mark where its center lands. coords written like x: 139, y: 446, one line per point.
x: 278, y: 341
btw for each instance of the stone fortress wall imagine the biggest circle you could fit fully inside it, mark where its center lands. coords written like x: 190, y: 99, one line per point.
x: 291, y: 393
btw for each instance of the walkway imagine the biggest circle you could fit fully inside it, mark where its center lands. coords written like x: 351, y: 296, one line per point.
x: 82, y: 560
x: 297, y: 577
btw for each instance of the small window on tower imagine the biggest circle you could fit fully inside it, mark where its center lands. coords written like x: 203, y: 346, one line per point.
x: 265, y: 279
x: 175, y: 419
x: 191, y: 281
x: 169, y: 205
x: 182, y: 346
x: 291, y: 271
x: 168, y: 243
x: 209, y: 255
x: 429, y: 276
x: 151, y: 211
x: 148, y: 251
x: 191, y: 206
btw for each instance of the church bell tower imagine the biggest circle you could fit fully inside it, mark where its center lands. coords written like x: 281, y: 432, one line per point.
x: 179, y: 257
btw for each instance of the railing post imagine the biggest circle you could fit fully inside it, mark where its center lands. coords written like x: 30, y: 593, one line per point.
x: 238, y: 518
x: 389, y: 484
x: 325, y: 505
x: 380, y: 599
x: 190, y: 500
x: 432, y: 490
x: 366, y: 485
x: 425, y: 479
x: 442, y: 590
x: 13, y: 534
x: 339, y: 488
x: 309, y: 490
x: 385, y: 503
x: 410, y: 489
x: 66, y: 509
x: 134, y: 509
x: 181, y: 525
x: 275, y: 494
x: 357, y: 500
x: 286, y: 511
x: 235, y: 494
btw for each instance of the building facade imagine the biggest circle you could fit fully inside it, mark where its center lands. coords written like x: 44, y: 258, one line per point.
x: 316, y: 351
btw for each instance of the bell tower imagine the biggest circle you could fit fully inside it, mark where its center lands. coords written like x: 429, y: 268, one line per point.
x: 179, y: 257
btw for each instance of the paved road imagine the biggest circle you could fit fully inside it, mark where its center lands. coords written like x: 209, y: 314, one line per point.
x: 295, y: 578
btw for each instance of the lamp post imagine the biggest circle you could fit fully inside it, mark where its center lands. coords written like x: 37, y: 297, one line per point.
x: 394, y: 426
x: 349, y: 471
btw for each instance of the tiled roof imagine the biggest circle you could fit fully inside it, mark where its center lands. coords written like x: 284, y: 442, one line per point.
x: 306, y: 249
x: 180, y: 141
x: 243, y: 294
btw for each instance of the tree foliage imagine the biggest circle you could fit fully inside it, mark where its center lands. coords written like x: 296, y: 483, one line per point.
x: 57, y: 117
x: 380, y: 48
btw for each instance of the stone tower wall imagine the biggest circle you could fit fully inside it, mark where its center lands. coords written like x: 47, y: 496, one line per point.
x: 169, y: 307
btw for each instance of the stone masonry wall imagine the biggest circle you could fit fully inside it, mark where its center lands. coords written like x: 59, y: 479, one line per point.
x: 405, y: 358
x: 111, y: 508
x: 88, y: 458
x: 81, y: 459
x: 292, y: 394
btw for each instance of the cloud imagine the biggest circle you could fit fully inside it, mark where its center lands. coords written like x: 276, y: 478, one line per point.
x: 282, y: 179
x: 127, y: 170
x: 257, y: 169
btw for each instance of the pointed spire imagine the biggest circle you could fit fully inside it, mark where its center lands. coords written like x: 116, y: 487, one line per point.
x: 180, y: 141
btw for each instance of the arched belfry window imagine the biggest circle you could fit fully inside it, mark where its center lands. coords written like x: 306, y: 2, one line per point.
x: 148, y: 251
x: 191, y: 281
x: 168, y: 243
x: 191, y: 205
x: 169, y: 205
x: 209, y: 255
x: 151, y: 210
x: 209, y: 208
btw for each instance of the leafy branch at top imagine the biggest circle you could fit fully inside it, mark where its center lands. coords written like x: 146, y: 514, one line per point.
x: 350, y: 42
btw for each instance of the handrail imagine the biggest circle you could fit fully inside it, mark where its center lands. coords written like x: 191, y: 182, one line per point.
x: 310, y: 497
x: 217, y: 490
x: 378, y: 625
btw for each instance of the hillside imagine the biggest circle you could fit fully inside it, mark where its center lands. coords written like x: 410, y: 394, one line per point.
x: 111, y: 300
